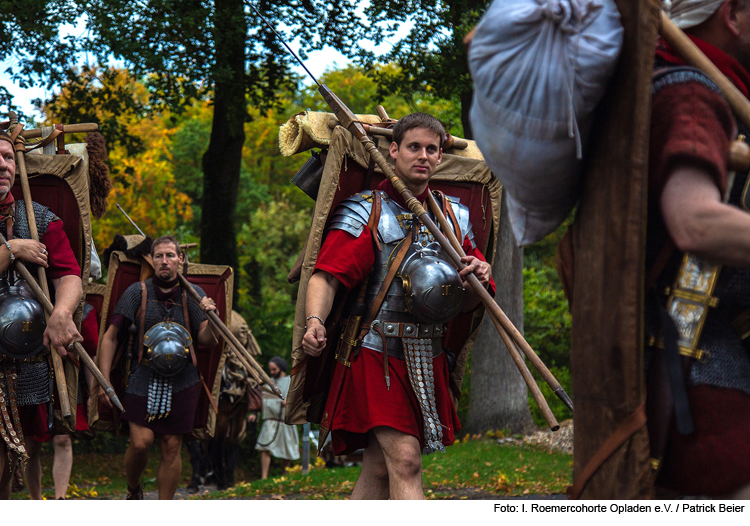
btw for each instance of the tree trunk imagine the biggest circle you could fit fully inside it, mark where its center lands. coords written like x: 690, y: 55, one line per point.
x: 223, y: 159
x: 465, y: 121
x: 498, y: 394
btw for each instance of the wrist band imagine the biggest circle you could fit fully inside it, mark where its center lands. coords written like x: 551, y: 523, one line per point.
x: 317, y: 318
x: 12, y: 257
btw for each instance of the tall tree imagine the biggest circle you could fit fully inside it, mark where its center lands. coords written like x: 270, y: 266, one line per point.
x: 432, y: 56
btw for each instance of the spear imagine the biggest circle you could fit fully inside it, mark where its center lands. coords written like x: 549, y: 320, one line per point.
x: 349, y: 121
x: 247, y: 361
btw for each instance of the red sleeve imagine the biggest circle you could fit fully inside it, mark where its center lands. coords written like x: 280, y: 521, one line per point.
x: 62, y: 261
x: 90, y: 333
x: 470, y: 251
x: 349, y: 259
x: 689, y: 123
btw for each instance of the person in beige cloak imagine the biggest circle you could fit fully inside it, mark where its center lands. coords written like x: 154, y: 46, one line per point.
x: 276, y: 439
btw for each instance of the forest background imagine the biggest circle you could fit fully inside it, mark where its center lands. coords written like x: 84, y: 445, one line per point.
x: 192, y: 123
x: 155, y: 166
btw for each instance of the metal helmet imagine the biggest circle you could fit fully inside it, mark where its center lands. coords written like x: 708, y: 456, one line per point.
x: 22, y: 321
x: 168, y: 346
x: 432, y: 287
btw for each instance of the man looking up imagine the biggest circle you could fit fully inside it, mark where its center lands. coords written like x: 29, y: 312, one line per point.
x: 395, y: 400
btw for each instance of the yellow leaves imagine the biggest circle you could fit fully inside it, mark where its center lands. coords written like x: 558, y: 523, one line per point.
x: 295, y: 469
x: 502, y: 483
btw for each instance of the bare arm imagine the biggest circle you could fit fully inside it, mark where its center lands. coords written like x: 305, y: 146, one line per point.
x: 206, y: 332
x: 61, y: 329
x: 700, y: 223
x: 321, y: 291
x: 107, y: 350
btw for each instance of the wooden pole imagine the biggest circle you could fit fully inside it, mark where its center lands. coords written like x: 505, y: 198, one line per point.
x: 515, y: 354
x: 57, y: 363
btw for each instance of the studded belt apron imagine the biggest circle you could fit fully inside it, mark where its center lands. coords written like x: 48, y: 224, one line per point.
x: 10, y: 427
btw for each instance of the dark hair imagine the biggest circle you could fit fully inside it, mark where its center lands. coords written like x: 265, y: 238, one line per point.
x: 165, y: 239
x: 280, y: 363
x: 418, y: 120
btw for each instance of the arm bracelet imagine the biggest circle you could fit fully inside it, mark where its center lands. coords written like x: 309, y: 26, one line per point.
x: 317, y: 318
x: 13, y: 257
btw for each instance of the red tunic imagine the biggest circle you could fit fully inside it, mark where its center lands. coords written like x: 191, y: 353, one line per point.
x: 692, y: 123
x: 365, y: 402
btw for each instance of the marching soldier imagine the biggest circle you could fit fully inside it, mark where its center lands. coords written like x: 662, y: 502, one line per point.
x: 158, y: 323
x: 391, y: 396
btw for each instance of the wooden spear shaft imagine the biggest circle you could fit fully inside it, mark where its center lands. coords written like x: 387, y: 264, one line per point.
x: 230, y: 339
x: 57, y: 363
x: 77, y: 348
x: 515, y: 354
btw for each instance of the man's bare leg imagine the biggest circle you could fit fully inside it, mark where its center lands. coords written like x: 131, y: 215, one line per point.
x: 33, y: 471
x: 136, y: 457
x: 265, y: 464
x: 373, y: 479
x: 62, y: 465
x: 6, y: 476
x: 170, y: 466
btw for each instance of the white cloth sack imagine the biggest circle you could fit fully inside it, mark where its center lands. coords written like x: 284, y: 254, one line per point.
x: 540, y: 67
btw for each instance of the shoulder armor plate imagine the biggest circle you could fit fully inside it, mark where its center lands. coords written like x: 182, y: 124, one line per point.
x: 462, y: 214
x: 352, y: 214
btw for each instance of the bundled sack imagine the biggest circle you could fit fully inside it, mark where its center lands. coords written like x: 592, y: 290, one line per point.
x: 540, y: 67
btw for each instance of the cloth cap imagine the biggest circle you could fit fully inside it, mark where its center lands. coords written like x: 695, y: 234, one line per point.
x: 280, y: 363
x: 690, y: 13
x: 5, y: 137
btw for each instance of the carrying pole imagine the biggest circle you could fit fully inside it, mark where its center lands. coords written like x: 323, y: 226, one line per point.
x: 57, y: 363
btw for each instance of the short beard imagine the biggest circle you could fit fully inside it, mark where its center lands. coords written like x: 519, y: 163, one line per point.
x: 276, y: 376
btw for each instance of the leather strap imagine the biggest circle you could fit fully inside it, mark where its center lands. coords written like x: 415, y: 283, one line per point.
x: 448, y: 210
x: 395, y: 264
x: 660, y: 263
x: 186, y: 315
x: 624, y: 431
x: 144, y: 298
x: 374, y: 220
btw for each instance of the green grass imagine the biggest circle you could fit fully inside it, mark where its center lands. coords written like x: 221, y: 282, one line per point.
x: 476, y: 464
x: 479, y: 464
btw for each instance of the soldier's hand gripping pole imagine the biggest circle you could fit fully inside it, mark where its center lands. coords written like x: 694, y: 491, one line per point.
x: 77, y: 347
x: 249, y: 362
x: 20, y: 149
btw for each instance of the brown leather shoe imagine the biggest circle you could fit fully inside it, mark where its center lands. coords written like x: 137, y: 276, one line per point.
x: 135, y: 494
